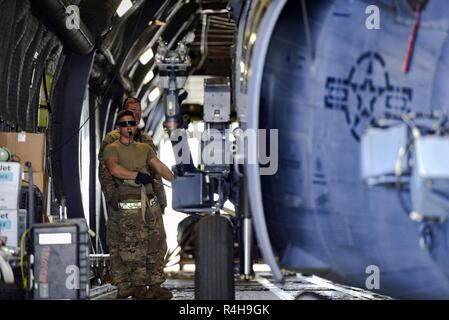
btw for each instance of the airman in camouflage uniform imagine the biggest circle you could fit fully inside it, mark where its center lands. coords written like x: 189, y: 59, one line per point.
x: 121, y: 249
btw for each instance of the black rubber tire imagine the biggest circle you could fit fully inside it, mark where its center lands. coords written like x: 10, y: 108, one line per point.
x: 214, y: 259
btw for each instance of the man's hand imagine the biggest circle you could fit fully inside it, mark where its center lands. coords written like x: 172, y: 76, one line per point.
x: 143, y: 178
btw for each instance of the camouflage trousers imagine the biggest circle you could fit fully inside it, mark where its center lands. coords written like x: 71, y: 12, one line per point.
x: 137, y: 249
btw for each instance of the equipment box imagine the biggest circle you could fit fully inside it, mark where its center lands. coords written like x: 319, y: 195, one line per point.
x: 188, y: 191
x: 12, y: 226
x: 61, y: 260
x: 10, y: 179
x: 27, y: 146
x: 381, y: 154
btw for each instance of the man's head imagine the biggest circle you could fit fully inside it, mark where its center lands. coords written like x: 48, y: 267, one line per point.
x: 133, y: 104
x: 126, y: 123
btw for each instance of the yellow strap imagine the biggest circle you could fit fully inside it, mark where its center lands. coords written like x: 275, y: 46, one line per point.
x: 144, y: 200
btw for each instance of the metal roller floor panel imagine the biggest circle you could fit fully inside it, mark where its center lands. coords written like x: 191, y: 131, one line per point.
x: 295, y: 287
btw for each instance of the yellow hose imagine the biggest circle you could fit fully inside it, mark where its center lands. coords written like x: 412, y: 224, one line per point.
x: 22, y: 254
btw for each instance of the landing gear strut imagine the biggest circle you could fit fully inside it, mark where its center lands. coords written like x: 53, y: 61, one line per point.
x: 204, y: 189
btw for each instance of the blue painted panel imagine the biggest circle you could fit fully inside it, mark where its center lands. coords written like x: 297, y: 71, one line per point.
x: 317, y: 203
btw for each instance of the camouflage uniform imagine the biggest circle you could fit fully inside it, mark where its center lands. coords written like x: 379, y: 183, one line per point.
x: 152, y: 235
x: 107, y: 183
x: 143, y: 255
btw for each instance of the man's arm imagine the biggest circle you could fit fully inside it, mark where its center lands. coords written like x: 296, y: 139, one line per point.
x: 158, y: 186
x: 104, y: 176
x: 119, y: 171
x: 108, y: 185
x: 161, y: 168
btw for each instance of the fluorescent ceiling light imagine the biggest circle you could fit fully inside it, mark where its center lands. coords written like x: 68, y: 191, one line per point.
x: 242, y: 67
x: 252, y: 38
x: 124, y: 6
x: 148, y: 77
x: 146, y: 56
x: 154, y: 94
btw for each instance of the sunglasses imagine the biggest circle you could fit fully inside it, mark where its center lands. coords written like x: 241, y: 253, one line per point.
x: 124, y: 124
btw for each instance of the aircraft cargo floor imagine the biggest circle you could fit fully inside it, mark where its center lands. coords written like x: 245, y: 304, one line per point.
x: 261, y: 287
